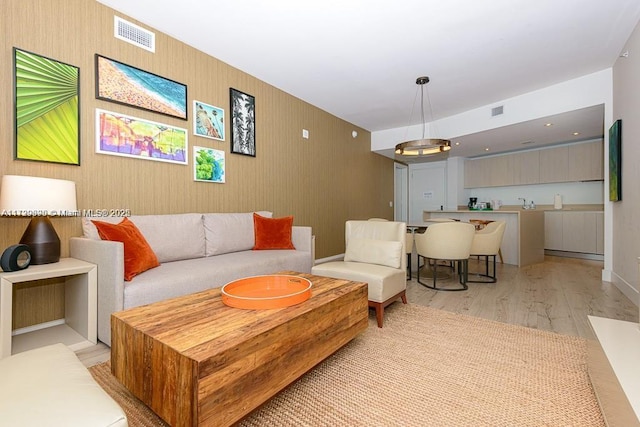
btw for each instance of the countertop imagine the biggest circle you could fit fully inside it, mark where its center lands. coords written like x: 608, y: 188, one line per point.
x: 497, y: 211
x: 518, y: 209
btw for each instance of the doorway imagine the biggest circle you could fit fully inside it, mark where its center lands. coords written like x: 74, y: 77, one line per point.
x: 401, y: 192
x: 427, y: 189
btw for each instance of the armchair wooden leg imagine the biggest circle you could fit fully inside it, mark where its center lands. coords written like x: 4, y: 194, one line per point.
x: 379, y: 315
x: 379, y: 306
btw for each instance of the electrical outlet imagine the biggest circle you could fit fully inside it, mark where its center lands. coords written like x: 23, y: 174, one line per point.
x: 305, y: 134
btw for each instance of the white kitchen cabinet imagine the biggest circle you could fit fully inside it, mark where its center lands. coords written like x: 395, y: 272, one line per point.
x: 526, y: 167
x: 476, y: 173
x: 567, y: 163
x: 579, y: 232
x: 554, y: 164
x: 600, y: 233
x: 498, y: 171
x: 574, y: 231
x: 586, y: 161
x: 553, y: 231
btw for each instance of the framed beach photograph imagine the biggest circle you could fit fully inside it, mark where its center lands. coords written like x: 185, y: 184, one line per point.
x: 208, y: 165
x: 121, y: 135
x: 615, y: 161
x: 243, y: 123
x: 209, y: 121
x: 47, y: 109
x: 127, y: 85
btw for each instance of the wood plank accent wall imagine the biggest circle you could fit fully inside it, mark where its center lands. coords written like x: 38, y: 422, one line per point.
x: 322, y: 181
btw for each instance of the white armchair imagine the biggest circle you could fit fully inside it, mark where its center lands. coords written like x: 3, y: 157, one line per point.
x: 375, y: 254
x: 448, y: 241
x: 486, y: 243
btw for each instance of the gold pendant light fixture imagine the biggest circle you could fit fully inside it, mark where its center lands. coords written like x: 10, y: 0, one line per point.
x: 423, y: 146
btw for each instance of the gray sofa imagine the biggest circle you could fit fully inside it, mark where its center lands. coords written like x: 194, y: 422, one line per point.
x: 196, y: 252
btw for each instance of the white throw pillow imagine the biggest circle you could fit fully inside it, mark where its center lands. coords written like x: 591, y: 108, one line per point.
x: 371, y: 251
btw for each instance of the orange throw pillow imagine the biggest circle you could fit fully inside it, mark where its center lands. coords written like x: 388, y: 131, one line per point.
x: 138, y: 255
x: 272, y: 233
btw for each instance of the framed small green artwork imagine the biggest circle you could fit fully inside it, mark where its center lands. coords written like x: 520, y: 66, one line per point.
x: 615, y: 161
x: 208, y: 165
x: 47, y: 111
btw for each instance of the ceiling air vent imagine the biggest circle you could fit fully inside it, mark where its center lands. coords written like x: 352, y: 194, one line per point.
x: 134, y: 34
x: 496, y: 111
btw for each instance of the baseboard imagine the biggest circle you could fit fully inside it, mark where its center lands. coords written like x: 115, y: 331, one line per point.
x: 580, y: 255
x: 37, y: 327
x: 338, y: 257
x: 626, y: 288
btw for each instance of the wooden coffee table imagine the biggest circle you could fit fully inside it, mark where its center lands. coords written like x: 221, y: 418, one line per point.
x: 195, y: 361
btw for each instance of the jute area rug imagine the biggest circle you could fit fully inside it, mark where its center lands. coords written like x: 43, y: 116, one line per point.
x: 428, y: 367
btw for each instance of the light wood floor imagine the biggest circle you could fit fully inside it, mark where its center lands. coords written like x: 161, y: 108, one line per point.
x: 556, y: 295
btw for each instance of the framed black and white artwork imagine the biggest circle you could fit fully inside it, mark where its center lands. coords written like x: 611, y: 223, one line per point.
x: 243, y: 123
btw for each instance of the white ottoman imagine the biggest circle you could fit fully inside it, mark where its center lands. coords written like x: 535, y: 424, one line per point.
x: 49, y: 386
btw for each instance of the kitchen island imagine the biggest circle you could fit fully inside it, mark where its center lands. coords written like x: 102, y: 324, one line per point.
x: 523, y: 241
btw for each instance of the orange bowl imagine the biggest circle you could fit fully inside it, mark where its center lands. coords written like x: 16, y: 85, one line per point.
x: 266, y: 292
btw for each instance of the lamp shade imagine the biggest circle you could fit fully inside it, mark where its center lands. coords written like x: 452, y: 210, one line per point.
x: 423, y: 146
x: 38, y: 198
x: 34, y: 196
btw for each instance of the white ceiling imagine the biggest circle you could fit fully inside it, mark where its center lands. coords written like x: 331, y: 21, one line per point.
x: 359, y: 59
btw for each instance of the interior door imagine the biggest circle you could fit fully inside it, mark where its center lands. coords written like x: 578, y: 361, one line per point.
x: 401, y: 193
x: 427, y: 189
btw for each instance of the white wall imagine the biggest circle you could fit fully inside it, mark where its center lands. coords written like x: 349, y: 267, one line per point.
x: 586, y: 91
x: 625, y: 227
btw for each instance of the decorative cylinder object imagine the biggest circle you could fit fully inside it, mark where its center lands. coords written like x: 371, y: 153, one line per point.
x: 557, y: 201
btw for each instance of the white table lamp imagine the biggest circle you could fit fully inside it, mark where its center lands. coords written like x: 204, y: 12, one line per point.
x: 39, y: 198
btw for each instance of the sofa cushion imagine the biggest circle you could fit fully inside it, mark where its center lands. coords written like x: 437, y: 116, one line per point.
x: 229, y: 232
x: 382, y: 282
x: 272, y: 233
x: 138, y: 255
x: 179, y: 278
x: 172, y: 237
x: 372, y: 251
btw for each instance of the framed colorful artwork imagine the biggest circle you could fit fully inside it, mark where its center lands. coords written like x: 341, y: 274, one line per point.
x: 208, y: 165
x: 243, y: 123
x: 208, y: 121
x: 615, y: 161
x: 47, y: 110
x: 127, y: 85
x: 121, y: 135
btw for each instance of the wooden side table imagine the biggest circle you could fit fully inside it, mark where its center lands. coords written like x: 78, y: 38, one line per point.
x: 79, y: 327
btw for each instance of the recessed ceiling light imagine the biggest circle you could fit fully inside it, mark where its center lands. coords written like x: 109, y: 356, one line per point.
x: 486, y: 149
x: 548, y: 124
x: 576, y: 133
x: 457, y: 143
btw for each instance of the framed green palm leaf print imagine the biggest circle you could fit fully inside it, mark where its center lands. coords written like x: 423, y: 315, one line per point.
x: 47, y: 113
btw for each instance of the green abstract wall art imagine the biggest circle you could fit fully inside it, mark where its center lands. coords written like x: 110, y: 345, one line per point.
x: 208, y: 165
x: 47, y: 113
x: 615, y: 161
